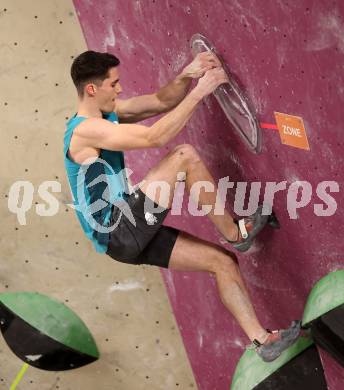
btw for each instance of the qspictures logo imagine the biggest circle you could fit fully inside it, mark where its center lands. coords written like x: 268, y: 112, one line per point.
x: 297, y: 194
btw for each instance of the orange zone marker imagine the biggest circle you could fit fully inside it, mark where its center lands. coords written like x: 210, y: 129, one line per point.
x: 291, y: 129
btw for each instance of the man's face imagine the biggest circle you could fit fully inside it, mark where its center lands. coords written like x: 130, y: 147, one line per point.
x: 108, y: 91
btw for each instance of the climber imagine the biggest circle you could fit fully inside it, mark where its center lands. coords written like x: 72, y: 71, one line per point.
x: 95, y: 139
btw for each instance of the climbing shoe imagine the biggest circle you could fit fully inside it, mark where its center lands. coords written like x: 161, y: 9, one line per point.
x: 277, y: 341
x: 250, y: 226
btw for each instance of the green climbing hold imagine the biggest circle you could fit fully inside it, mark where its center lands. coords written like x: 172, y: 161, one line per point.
x: 45, y: 333
x: 327, y: 294
x: 252, y: 370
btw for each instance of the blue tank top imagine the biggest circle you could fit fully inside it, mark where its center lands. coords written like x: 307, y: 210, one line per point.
x: 95, y: 186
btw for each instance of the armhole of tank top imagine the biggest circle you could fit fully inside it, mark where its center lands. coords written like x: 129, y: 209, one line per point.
x: 70, y: 160
x: 72, y: 131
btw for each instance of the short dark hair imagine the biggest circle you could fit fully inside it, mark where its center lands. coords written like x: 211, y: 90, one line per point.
x: 91, y: 66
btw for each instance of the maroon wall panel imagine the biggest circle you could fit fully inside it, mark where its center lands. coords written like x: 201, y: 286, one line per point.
x: 289, y: 57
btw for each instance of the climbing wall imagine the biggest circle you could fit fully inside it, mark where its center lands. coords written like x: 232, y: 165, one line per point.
x: 289, y: 58
x: 42, y: 246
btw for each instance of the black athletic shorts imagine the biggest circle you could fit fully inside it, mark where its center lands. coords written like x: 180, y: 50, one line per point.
x: 149, y: 242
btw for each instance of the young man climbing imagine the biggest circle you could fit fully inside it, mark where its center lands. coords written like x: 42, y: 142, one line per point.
x: 117, y: 222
